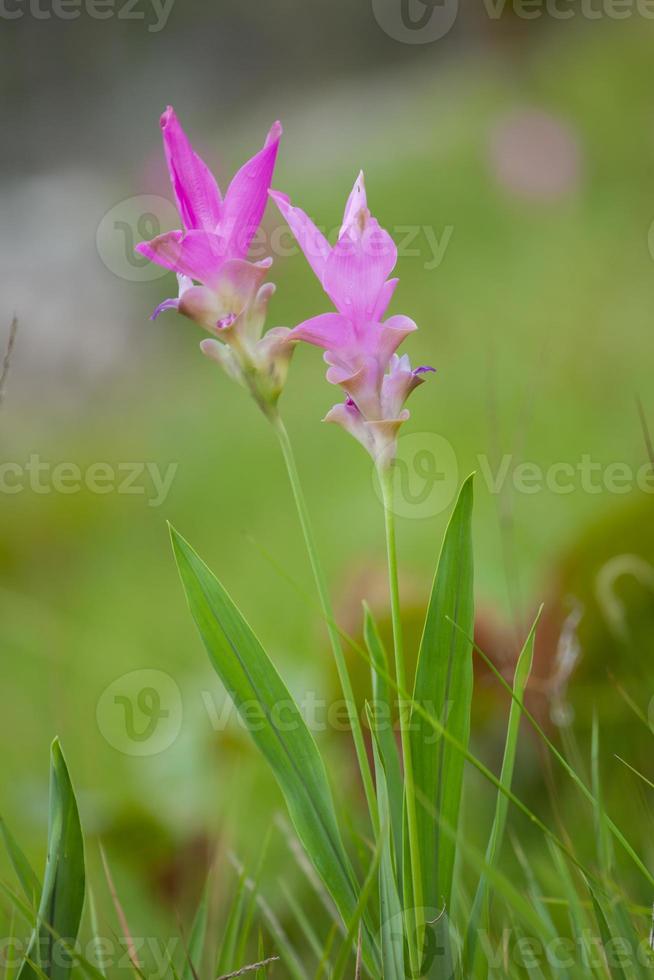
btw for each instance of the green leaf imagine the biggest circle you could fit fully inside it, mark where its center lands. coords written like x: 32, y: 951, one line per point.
x: 227, y: 955
x: 479, y: 915
x: 383, y: 703
x: 443, y: 687
x: 62, y: 898
x: 390, y: 908
x: 24, y: 872
x: 279, y: 729
x: 604, y: 842
x: 195, y: 952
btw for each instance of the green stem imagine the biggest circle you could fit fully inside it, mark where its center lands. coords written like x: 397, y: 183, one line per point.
x: 386, y: 481
x: 325, y: 602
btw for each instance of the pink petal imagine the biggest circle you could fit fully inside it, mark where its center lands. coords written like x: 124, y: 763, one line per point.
x: 362, y: 386
x: 357, y: 268
x: 398, y: 384
x: 391, y: 334
x: 384, y: 298
x: 328, y: 330
x: 168, y: 304
x: 201, y: 305
x: 196, y: 254
x: 195, y: 188
x: 239, y: 281
x: 247, y: 195
x: 355, y: 203
x: 313, y: 243
x: 350, y: 418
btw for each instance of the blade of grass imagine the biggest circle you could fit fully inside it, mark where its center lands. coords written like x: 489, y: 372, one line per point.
x: 227, y: 953
x: 95, y: 929
x: 604, y: 843
x: 615, y: 830
x: 390, y: 908
x: 24, y: 872
x: 120, y: 912
x: 62, y: 896
x: 384, y: 714
x: 290, y: 750
x: 444, y: 683
x: 284, y: 946
x: 194, y: 953
x: 357, y: 916
x: 325, y: 602
x: 479, y: 913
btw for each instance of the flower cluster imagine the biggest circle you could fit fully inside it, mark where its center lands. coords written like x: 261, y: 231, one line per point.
x: 360, y: 347
x: 226, y: 294
x: 218, y: 287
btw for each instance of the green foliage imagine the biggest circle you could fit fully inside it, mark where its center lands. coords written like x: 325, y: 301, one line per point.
x: 253, y: 683
x: 443, y: 687
x: 62, y: 897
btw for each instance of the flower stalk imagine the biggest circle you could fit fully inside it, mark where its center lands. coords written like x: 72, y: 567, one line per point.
x: 325, y: 602
x: 385, y: 476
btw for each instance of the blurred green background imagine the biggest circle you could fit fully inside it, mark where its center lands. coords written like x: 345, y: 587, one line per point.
x: 527, y: 147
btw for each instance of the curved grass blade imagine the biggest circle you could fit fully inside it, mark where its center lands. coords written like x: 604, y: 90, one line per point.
x: 443, y: 686
x: 24, y: 871
x: 355, y: 923
x: 383, y: 700
x: 390, y: 908
x: 289, y: 748
x: 574, y: 776
x: 194, y: 954
x: 479, y: 914
x: 62, y: 897
x: 285, y: 948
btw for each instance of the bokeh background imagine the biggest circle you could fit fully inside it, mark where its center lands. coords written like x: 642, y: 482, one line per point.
x: 525, y: 148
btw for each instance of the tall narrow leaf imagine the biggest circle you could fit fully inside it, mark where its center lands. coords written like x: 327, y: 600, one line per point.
x: 390, y: 908
x: 62, y: 897
x: 196, y: 944
x: 478, y: 917
x: 24, y: 872
x: 383, y: 715
x: 280, y: 731
x: 443, y: 687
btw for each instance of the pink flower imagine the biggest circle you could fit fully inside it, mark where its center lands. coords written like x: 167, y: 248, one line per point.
x: 212, y: 246
x: 360, y: 347
x: 218, y: 288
